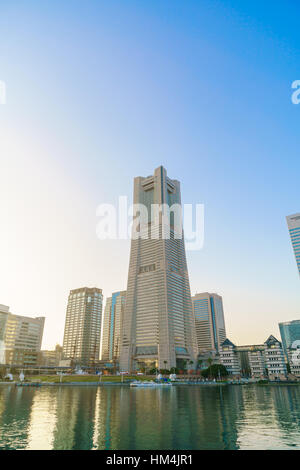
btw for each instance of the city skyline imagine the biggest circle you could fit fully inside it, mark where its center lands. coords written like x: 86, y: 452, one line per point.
x: 203, y: 90
x: 291, y: 223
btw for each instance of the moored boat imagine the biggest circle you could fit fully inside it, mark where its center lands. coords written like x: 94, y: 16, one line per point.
x: 151, y: 383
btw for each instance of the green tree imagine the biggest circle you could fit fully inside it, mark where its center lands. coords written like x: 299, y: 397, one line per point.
x: 209, y: 361
x: 215, y: 371
x: 2, y: 372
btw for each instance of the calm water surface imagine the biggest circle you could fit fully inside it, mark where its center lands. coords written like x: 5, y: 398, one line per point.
x: 183, y: 417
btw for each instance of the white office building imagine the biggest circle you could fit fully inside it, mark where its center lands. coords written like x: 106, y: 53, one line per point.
x: 20, y: 338
x: 229, y: 357
x: 257, y: 363
x: 274, y: 358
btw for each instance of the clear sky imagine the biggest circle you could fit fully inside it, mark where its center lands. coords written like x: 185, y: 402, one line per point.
x: 101, y: 91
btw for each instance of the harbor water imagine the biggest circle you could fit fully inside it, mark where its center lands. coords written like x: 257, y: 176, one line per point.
x: 178, y: 417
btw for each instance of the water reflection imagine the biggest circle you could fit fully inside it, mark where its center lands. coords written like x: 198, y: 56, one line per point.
x: 183, y: 417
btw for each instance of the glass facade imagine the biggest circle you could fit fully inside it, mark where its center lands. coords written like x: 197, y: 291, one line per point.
x: 293, y: 222
x: 112, y: 323
x: 209, y: 321
x: 290, y: 332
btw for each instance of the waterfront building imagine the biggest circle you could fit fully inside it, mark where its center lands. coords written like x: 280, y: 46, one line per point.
x: 158, y: 327
x: 20, y: 338
x: 51, y: 358
x: 257, y: 362
x: 293, y: 354
x: 293, y: 222
x: 83, y: 325
x: 254, y: 361
x: 289, y: 332
x: 112, y: 326
x: 209, y: 321
x: 274, y: 358
x: 229, y: 357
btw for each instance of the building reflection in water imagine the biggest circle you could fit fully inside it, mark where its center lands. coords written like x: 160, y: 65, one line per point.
x: 176, y: 418
x: 15, y: 411
x: 42, y: 420
x: 183, y: 417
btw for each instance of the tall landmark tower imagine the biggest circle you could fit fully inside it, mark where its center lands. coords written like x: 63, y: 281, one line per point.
x: 158, y: 324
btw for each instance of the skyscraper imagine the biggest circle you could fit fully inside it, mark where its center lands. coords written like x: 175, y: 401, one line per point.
x: 83, y: 325
x: 290, y: 332
x: 112, y: 324
x: 293, y: 222
x: 209, y: 321
x: 20, y: 338
x: 158, y: 319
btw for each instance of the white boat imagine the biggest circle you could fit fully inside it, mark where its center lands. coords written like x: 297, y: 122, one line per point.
x: 151, y: 383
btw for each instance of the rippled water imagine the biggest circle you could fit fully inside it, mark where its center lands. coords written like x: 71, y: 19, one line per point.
x: 182, y: 417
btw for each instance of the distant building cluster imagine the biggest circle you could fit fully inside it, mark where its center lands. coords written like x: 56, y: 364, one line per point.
x: 256, y: 361
x: 155, y: 323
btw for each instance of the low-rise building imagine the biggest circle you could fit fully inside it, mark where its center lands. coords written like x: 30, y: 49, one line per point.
x: 256, y: 361
x: 256, y: 355
x: 229, y: 358
x: 20, y: 338
x: 51, y: 358
x: 274, y: 358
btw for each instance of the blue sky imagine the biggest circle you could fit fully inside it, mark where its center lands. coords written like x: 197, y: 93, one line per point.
x: 101, y: 91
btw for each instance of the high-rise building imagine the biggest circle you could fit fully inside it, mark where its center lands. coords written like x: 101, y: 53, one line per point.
x: 112, y: 325
x: 83, y: 325
x: 293, y: 222
x: 20, y: 338
x: 289, y: 332
x: 209, y: 321
x: 158, y: 327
